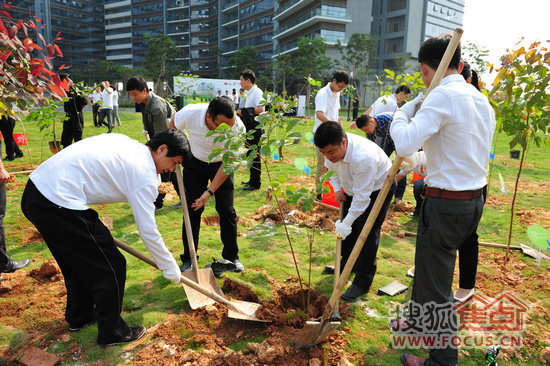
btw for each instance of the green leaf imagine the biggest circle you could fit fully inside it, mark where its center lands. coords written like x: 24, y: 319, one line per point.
x: 281, y: 179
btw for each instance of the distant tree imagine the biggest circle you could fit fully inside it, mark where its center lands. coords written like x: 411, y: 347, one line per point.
x: 217, y: 53
x: 282, y: 70
x: 160, y: 60
x: 357, y: 56
x: 245, y: 58
x: 401, y: 62
x: 312, y: 61
x: 476, y: 56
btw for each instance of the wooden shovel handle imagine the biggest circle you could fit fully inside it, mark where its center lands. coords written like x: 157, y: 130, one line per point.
x: 438, y: 76
x: 139, y: 255
x: 187, y: 223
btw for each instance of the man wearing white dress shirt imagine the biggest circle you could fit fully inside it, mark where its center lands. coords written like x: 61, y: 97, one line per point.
x: 102, y: 169
x: 361, y: 169
x: 198, y: 120
x: 253, y: 106
x: 455, y: 125
x: 327, y: 108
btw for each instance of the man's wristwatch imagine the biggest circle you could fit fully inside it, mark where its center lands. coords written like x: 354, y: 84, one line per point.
x: 209, y: 191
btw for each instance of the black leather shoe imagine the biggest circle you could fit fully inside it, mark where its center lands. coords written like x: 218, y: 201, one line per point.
x: 9, y: 158
x: 353, y: 292
x: 135, y: 334
x: 19, y: 155
x: 15, y: 265
x: 250, y: 188
x: 247, y: 182
x: 329, y: 269
x: 414, y: 214
x: 239, y: 265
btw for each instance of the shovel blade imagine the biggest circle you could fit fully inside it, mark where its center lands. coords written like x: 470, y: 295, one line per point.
x: 244, y: 310
x: 313, y: 333
x: 208, y: 281
x: 527, y: 250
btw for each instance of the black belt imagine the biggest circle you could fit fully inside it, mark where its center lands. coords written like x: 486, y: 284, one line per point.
x: 452, y: 195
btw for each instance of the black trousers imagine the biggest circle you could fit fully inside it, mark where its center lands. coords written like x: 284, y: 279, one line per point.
x: 389, y: 148
x: 95, y: 111
x: 443, y: 227
x: 365, y: 267
x: 256, y: 170
x: 4, y: 257
x: 196, y: 175
x: 72, y: 129
x: 6, y: 127
x: 93, y: 267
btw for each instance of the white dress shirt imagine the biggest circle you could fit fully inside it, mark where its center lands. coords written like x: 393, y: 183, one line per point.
x: 254, y: 97
x: 193, y: 119
x: 107, y: 168
x: 456, y: 125
x: 328, y: 102
x: 384, y: 104
x: 362, y: 171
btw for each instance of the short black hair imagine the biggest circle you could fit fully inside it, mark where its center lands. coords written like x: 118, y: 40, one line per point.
x: 175, y: 140
x: 362, y: 121
x: 466, y: 70
x: 403, y: 88
x: 432, y: 50
x: 341, y: 76
x: 136, y: 83
x: 248, y: 74
x: 329, y: 133
x: 221, y: 105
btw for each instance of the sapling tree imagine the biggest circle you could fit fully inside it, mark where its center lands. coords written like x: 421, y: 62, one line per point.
x: 522, y: 107
x: 278, y: 132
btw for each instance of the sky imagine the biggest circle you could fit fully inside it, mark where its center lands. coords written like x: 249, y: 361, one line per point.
x: 499, y: 24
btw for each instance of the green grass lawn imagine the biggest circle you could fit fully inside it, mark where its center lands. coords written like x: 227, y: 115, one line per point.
x: 149, y: 298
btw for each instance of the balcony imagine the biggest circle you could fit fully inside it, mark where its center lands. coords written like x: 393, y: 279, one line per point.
x: 310, y: 18
x: 290, y: 8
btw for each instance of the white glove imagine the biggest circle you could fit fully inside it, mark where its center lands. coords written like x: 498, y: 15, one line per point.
x: 410, y: 107
x: 173, y: 274
x: 343, y: 229
x: 412, y: 161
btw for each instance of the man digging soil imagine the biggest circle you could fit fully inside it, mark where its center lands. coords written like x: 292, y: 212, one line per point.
x: 103, y: 169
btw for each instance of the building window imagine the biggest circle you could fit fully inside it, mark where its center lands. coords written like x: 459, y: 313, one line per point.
x: 394, y: 5
x: 393, y: 45
x: 394, y: 25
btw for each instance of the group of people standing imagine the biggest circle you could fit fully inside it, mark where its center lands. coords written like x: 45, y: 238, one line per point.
x: 105, y: 106
x: 126, y: 170
x: 456, y: 146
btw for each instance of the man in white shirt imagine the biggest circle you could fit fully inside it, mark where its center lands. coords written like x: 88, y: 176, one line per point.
x: 361, y: 169
x: 455, y: 125
x: 252, y: 107
x: 107, y: 106
x: 102, y: 169
x: 95, y: 100
x: 387, y: 103
x: 198, y: 120
x: 327, y: 107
